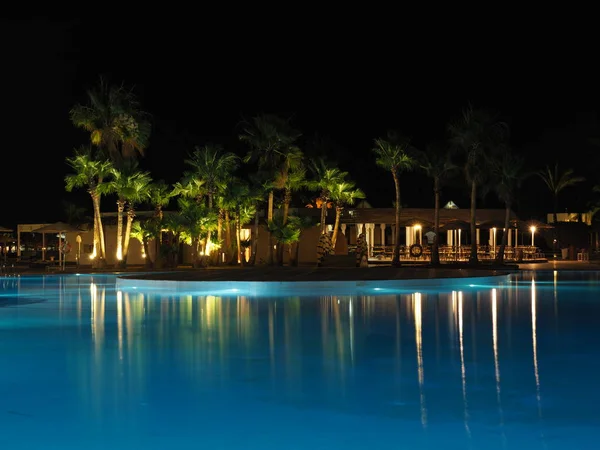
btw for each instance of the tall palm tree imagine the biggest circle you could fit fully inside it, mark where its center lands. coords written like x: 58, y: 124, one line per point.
x: 437, y: 164
x: 138, y: 192
x: 144, y: 232
x: 394, y: 157
x: 342, y: 194
x: 90, y: 173
x: 120, y: 184
x: 159, y: 198
x: 556, y: 182
x: 475, y: 135
x: 508, y: 174
x: 325, y: 178
x: 214, y: 167
x: 115, y: 121
x: 196, y: 221
x: 273, y: 146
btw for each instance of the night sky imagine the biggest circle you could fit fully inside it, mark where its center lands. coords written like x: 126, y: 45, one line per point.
x: 199, y: 78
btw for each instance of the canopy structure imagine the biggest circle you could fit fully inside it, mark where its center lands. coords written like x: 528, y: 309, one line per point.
x: 499, y: 224
x: 455, y: 224
x: 57, y: 227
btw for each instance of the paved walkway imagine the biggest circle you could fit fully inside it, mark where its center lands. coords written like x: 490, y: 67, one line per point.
x: 312, y: 273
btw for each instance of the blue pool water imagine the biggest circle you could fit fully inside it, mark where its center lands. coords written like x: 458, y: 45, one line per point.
x: 511, y: 364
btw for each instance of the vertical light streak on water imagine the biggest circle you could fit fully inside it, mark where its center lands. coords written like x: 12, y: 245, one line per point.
x: 463, y: 372
x: 453, y: 322
x: 120, y: 323
x: 93, y: 296
x: 128, y: 323
x: 534, y: 346
x: 535, y: 358
x: 496, y: 360
x: 419, y: 347
x: 79, y: 305
x: 351, y: 314
x: 272, y: 339
x: 556, y: 294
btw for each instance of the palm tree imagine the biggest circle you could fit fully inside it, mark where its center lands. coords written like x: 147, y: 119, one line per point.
x: 326, y: 178
x: 273, y: 146
x: 115, y: 122
x: 214, y: 167
x: 196, y: 221
x: 394, y: 157
x: 437, y: 164
x: 159, y: 197
x: 138, y: 192
x: 285, y: 234
x: 556, y: 182
x: 475, y: 135
x: 143, y: 232
x: 342, y: 194
x: 508, y: 174
x: 119, y: 184
x: 90, y: 173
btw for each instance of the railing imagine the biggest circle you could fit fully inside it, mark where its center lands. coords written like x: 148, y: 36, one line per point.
x: 455, y: 253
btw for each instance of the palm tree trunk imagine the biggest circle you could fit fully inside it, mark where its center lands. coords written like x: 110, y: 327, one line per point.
x: 435, y: 248
x: 396, y: 255
x: 238, y: 231
x: 148, y: 263
x: 102, y: 248
x: 120, y: 210
x: 254, y: 240
x: 96, y: 236
x: 270, y: 218
x: 323, y: 214
x: 130, y: 217
x: 228, y: 246
x: 208, y: 234
x: 287, y: 199
x: 473, y: 256
x: 338, y: 214
x: 220, y: 233
x: 500, y: 255
x: 196, y: 247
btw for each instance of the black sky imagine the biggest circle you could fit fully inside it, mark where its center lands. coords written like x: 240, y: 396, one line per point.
x: 346, y: 80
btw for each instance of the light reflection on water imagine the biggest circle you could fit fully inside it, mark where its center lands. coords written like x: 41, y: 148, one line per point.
x: 502, y: 367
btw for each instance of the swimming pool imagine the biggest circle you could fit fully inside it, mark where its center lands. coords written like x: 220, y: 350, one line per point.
x: 482, y: 365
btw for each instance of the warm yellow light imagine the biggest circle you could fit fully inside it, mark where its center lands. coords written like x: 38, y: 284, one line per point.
x: 532, y: 229
x: 418, y: 227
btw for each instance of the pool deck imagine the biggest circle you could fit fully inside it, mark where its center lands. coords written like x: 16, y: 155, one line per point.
x: 312, y: 273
